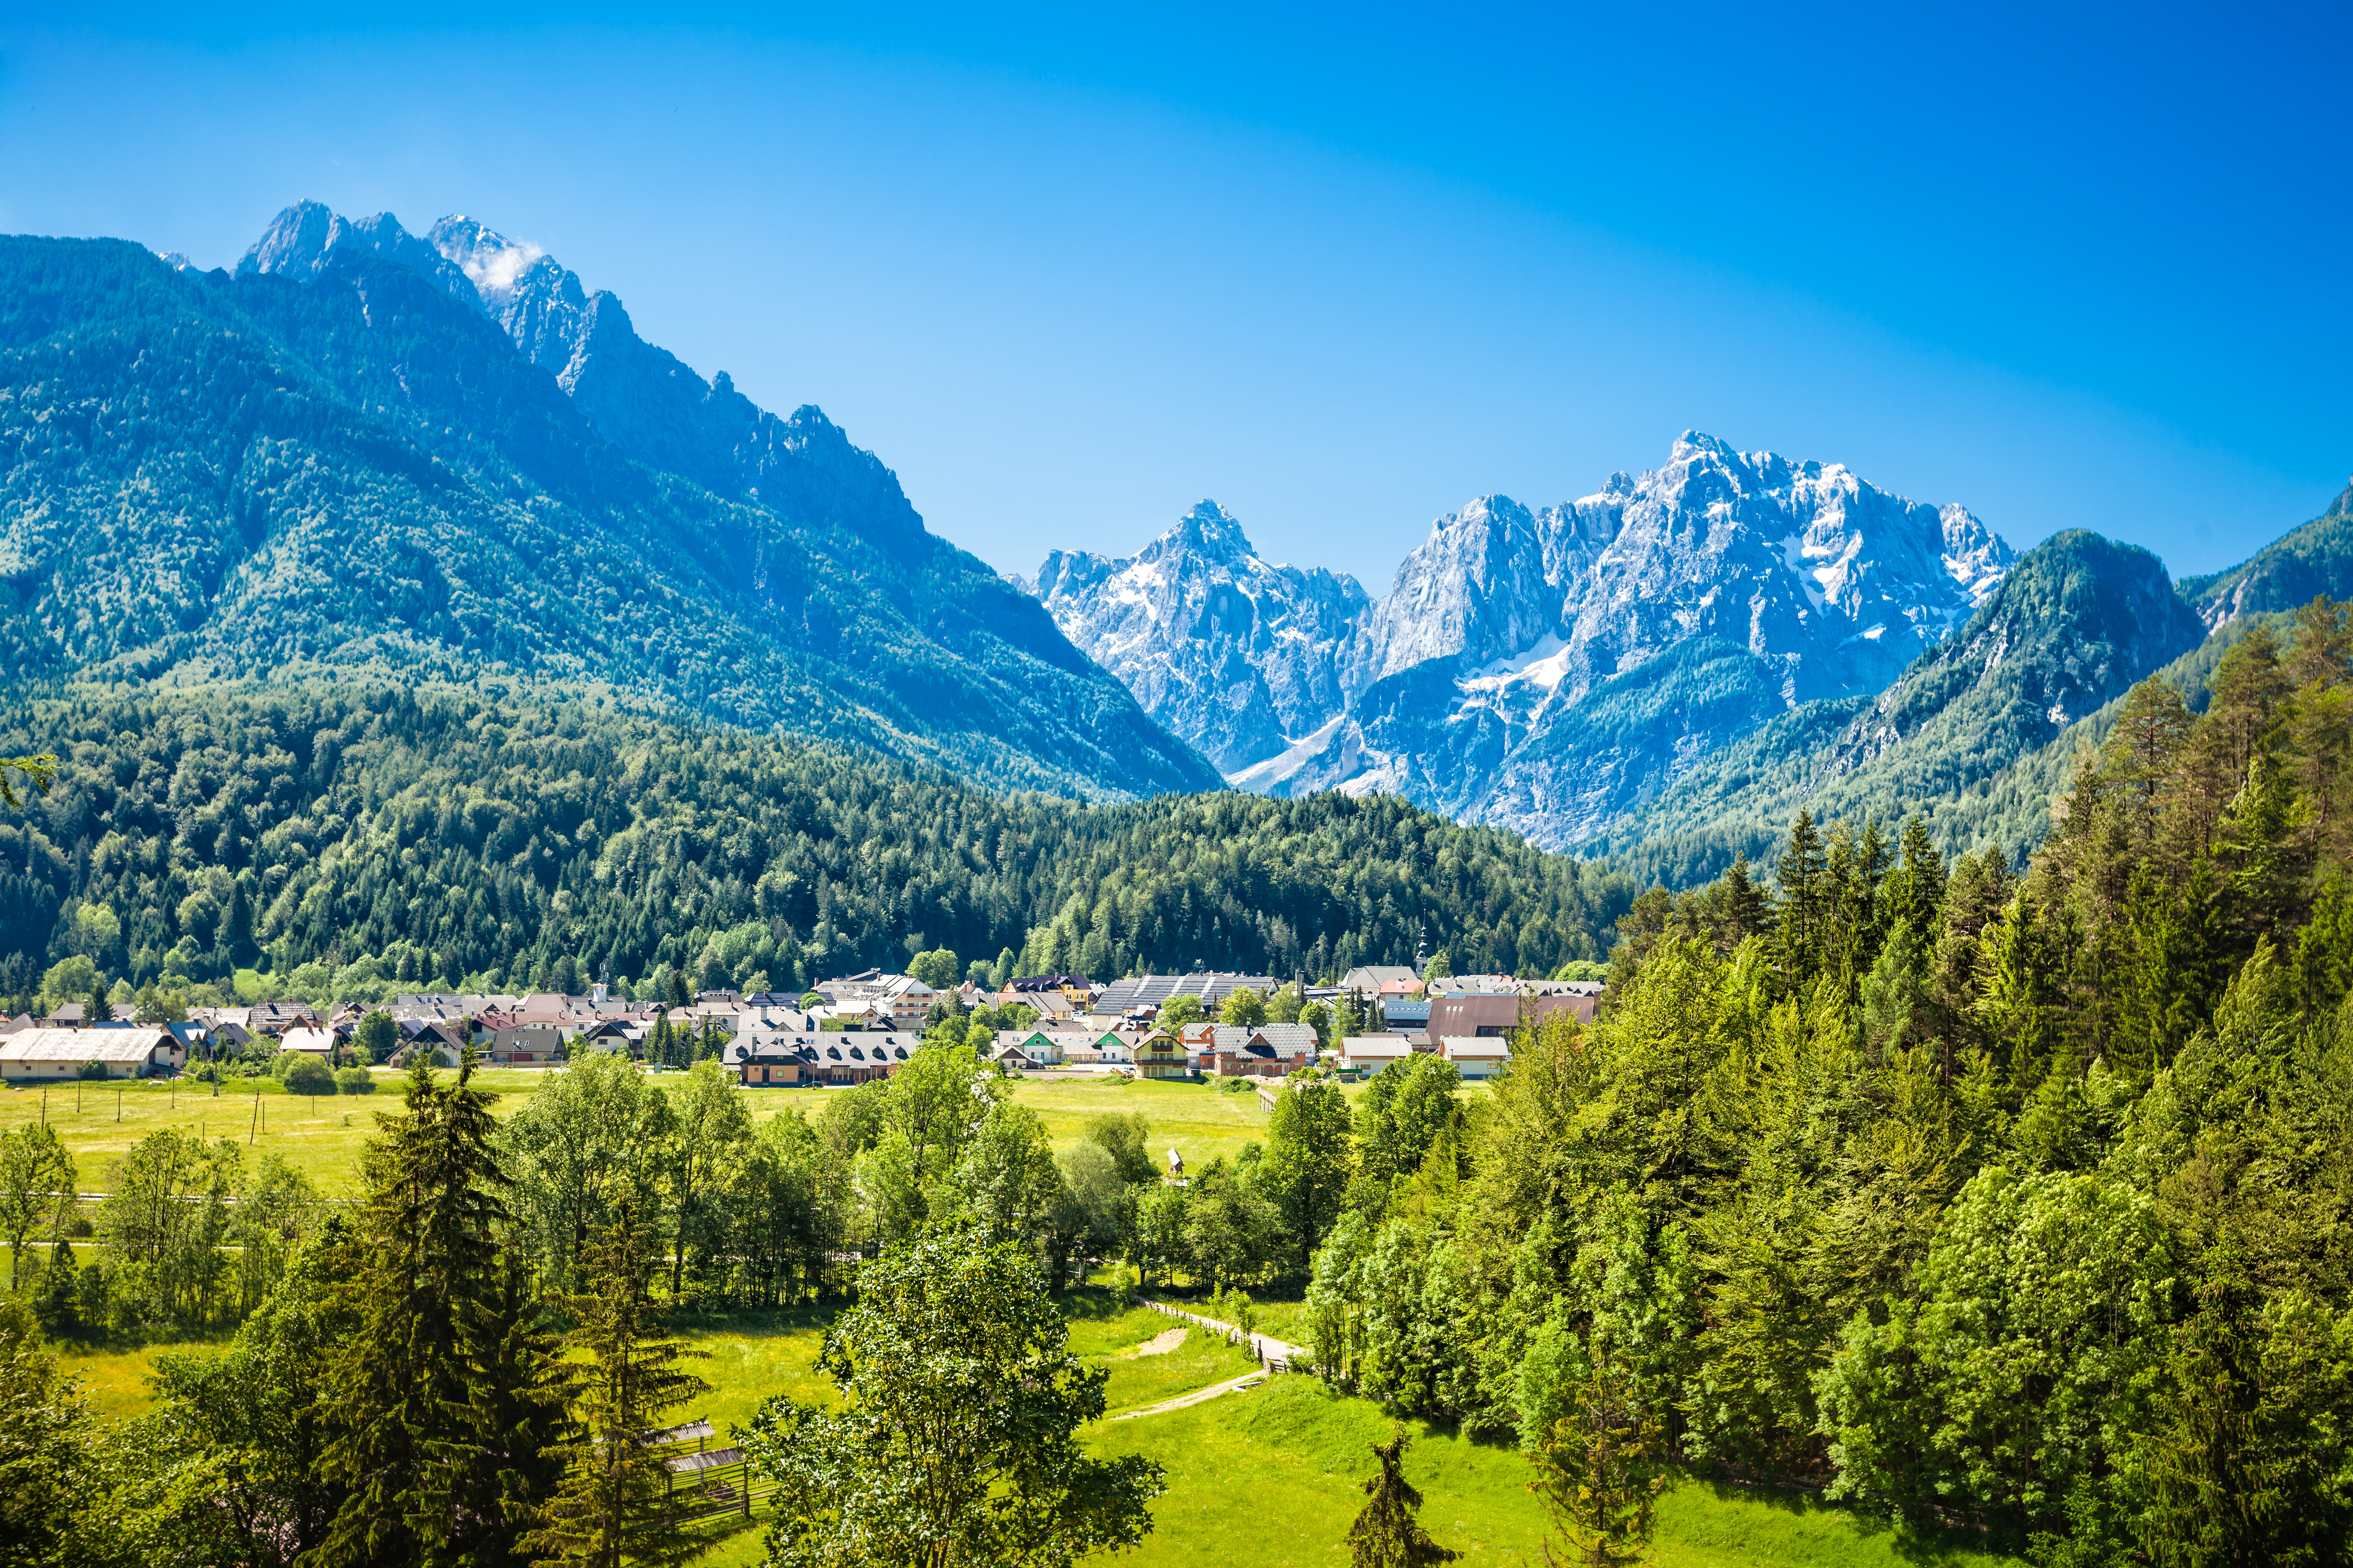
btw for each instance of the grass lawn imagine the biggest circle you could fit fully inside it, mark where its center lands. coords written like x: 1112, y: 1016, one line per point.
x: 1260, y: 1479
x: 1200, y: 1121
x: 1270, y: 1477
x: 322, y: 1135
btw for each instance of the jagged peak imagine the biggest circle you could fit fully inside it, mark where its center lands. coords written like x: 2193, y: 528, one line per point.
x: 1206, y: 530
x: 490, y: 261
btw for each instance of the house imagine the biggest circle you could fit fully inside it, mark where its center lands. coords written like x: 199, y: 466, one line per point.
x: 22, y: 1021
x: 899, y: 1001
x: 819, y: 1057
x: 1036, y: 1047
x: 612, y: 1036
x: 310, y: 1042
x: 1145, y: 993
x: 1382, y: 980
x: 1163, y: 1056
x: 1476, y: 1056
x: 68, y: 1017
x: 519, y: 1044
x: 1371, y: 1053
x: 1495, y: 1015
x: 1296, y: 1044
x: 33, y: 1055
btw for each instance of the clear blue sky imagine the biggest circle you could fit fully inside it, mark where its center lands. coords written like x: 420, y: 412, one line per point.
x: 1068, y: 273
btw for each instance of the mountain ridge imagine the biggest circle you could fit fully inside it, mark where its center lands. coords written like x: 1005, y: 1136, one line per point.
x: 1504, y: 676
x: 335, y: 459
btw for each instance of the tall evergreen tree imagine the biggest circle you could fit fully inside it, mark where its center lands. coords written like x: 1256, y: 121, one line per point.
x: 444, y: 1372
x: 1801, y: 880
x: 1386, y: 1534
x: 614, y: 1507
x: 1746, y: 911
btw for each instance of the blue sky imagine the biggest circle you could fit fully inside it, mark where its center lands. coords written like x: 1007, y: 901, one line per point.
x: 1069, y: 272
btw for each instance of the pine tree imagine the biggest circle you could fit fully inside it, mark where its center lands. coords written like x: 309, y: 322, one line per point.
x: 1801, y: 876
x: 1386, y: 1533
x: 100, y: 1009
x: 1746, y: 911
x: 615, y: 1505
x: 1915, y: 896
x: 2144, y: 748
x: 1601, y: 1470
x: 440, y: 1376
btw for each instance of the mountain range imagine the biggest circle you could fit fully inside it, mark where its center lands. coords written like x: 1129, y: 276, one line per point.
x: 1545, y: 670
x: 1665, y: 671
x: 444, y: 457
x: 370, y: 454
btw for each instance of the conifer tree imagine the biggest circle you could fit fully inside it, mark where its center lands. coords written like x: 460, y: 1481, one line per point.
x: 99, y: 1009
x: 1916, y: 892
x: 443, y: 1371
x: 1386, y: 1533
x: 1801, y: 876
x: 1602, y: 1471
x: 1746, y: 911
x: 615, y: 1506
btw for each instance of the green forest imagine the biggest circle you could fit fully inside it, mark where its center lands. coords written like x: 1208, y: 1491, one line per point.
x: 2021, y: 1203
x: 357, y: 840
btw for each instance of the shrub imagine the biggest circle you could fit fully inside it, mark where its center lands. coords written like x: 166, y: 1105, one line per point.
x: 92, y: 1070
x: 356, y: 1081
x: 308, y: 1075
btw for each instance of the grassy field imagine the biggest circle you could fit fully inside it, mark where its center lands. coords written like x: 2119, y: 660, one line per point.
x: 324, y: 1134
x: 1199, y: 1120
x: 1263, y: 1478
x: 1270, y: 1477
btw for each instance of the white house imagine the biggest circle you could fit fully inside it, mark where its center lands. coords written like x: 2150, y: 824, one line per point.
x: 35, y: 1055
x: 320, y: 1043
x: 1476, y: 1056
x: 1371, y: 1053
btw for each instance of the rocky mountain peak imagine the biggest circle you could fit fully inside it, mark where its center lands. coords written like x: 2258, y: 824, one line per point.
x: 1238, y: 655
x: 1207, y: 530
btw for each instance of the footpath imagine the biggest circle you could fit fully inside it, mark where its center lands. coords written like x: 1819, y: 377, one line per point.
x: 1273, y: 1356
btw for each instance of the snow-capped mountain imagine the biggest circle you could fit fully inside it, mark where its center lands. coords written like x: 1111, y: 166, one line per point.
x: 1549, y: 670
x: 1238, y: 655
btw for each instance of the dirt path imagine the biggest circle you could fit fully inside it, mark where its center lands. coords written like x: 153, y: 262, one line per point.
x: 1195, y: 1397
x: 1265, y: 1347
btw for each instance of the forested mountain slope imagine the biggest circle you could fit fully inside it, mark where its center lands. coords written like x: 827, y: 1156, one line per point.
x: 2285, y: 573
x: 359, y: 471
x: 389, y: 836
x: 1969, y: 736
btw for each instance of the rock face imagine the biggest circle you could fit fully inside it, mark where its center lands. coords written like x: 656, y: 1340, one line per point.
x: 1237, y: 656
x: 1550, y: 669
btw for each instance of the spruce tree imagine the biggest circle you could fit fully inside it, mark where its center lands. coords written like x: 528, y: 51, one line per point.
x: 1800, y: 876
x: 100, y: 1009
x: 615, y: 1505
x: 1601, y: 1470
x: 1386, y: 1533
x: 440, y: 1397
x: 1746, y: 911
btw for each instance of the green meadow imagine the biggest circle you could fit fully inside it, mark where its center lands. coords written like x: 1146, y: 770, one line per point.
x: 324, y: 1135
x: 1263, y: 1477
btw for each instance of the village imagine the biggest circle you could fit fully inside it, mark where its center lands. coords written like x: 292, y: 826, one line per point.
x: 845, y: 1031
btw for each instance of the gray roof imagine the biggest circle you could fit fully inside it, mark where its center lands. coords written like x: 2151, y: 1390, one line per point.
x: 83, y: 1045
x: 1150, y: 990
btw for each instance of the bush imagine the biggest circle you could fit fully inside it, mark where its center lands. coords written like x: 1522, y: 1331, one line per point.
x: 308, y: 1075
x: 356, y: 1081
x: 92, y: 1070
